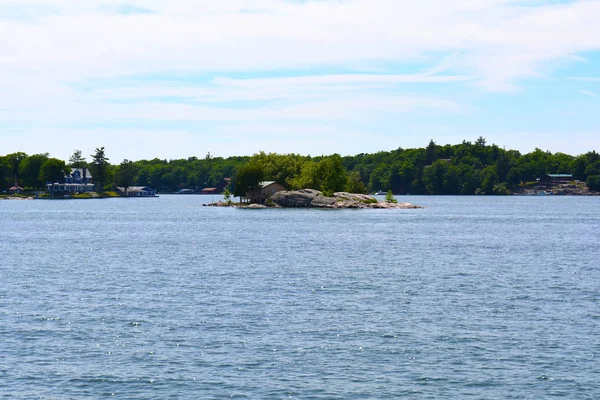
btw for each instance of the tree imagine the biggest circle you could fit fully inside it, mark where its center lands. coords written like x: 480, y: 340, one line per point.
x: 480, y: 141
x: 227, y: 197
x: 431, y: 152
x: 12, y: 162
x: 99, y: 168
x: 593, y: 182
x: 333, y: 175
x: 354, y: 184
x: 389, y: 197
x: 407, y: 173
x: 309, y: 178
x: 379, y: 178
x: 77, y: 160
x: 3, y: 173
x: 53, y: 170
x: 248, y: 178
x: 125, y: 174
x: 434, y: 177
x: 29, y: 170
x: 489, y: 179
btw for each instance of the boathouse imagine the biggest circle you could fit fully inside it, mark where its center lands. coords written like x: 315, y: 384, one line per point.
x: 264, y: 190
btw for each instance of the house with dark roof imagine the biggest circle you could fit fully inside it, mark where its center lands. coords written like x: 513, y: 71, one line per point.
x: 79, y: 180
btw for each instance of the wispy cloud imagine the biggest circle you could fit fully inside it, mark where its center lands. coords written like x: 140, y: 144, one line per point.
x: 497, y: 42
x: 588, y: 93
x: 585, y: 79
x: 283, y: 63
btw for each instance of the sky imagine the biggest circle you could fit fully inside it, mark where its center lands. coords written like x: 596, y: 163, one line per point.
x: 181, y: 78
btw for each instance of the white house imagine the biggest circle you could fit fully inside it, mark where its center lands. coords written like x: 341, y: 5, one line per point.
x: 78, y: 181
x: 137, y: 191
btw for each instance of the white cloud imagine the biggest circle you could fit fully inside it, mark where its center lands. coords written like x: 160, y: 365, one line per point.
x: 305, y: 61
x: 588, y: 93
x: 497, y: 41
x: 585, y: 79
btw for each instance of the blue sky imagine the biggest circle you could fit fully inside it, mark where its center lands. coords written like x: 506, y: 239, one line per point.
x: 151, y: 78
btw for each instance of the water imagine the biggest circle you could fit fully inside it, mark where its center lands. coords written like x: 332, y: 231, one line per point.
x: 471, y: 297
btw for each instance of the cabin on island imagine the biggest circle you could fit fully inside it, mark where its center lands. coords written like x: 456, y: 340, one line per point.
x: 557, y: 178
x: 136, y: 191
x: 213, y: 190
x: 78, y: 181
x: 16, y: 189
x: 220, y: 188
x: 264, y: 191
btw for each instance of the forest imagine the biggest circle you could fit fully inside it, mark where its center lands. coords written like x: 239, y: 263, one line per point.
x: 462, y: 169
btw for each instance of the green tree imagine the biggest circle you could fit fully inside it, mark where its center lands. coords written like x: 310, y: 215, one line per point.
x: 333, y: 175
x: 77, y: 160
x: 593, y: 169
x: 53, y: 170
x: 227, y: 197
x: 489, y: 179
x: 434, y: 177
x: 389, y: 197
x: 248, y: 178
x: 354, y: 183
x: 480, y: 141
x: 3, y: 173
x: 407, y: 172
x: 379, y: 177
x: 29, y: 170
x: 501, y: 189
x: 99, y: 168
x: 593, y: 182
x: 125, y: 174
x: 578, y: 167
x: 310, y: 177
x: 12, y: 162
x: 431, y: 152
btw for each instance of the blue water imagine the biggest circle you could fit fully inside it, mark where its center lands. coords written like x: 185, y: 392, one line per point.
x: 471, y: 297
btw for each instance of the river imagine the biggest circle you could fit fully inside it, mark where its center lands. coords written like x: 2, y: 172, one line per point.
x: 470, y: 297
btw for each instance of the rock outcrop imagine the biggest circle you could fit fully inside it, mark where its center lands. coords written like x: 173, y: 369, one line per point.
x: 311, y: 198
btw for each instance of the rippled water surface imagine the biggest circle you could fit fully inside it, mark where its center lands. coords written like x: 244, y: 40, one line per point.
x: 471, y: 297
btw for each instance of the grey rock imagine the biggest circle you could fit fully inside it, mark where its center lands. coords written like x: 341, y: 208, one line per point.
x: 296, y: 198
x: 322, y: 201
x: 315, y: 199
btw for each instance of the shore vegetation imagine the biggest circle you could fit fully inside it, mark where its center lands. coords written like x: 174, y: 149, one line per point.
x: 466, y: 168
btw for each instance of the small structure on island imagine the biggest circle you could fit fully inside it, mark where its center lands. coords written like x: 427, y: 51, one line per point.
x: 556, y: 179
x: 16, y: 189
x: 264, y: 190
x: 212, y: 190
x: 136, y: 191
x: 220, y: 188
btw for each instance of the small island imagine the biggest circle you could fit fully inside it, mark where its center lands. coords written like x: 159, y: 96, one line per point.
x: 311, y: 198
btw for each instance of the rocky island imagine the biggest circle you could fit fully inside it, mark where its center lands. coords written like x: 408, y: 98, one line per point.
x: 311, y: 198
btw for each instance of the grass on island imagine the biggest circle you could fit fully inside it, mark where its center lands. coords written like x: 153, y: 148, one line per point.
x: 86, y: 195
x: 16, y: 195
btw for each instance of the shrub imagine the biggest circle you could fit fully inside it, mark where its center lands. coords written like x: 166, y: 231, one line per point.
x: 593, y: 182
x: 389, y: 197
x: 369, y: 201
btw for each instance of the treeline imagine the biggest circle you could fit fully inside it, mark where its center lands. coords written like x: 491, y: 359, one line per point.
x: 466, y: 168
